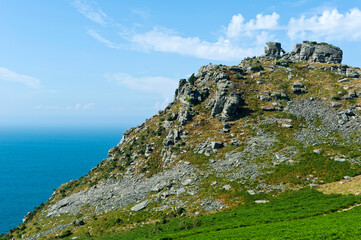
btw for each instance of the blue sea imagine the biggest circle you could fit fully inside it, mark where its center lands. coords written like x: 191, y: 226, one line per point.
x: 33, y: 162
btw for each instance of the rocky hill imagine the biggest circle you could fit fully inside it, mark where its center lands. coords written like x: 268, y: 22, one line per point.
x: 232, y: 135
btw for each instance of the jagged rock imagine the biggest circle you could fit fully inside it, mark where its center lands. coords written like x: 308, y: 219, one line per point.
x: 148, y: 150
x: 140, y: 206
x: 184, y: 116
x: 188, y: 94
x: 203, y: 148
x: 314, y: 52
x: 235, y: 142
x: 335, y: 104
x: 342, y: 80
x: 216, y: 146
x: 265, y: 96
x: 226, y: 128
x: 227, y: 104
x: 268, y: 108
x: 227, y: 187
x: 251, y: 192
x: 172, y: 137
x: 298, y: 88
x: 231, y: 107
x: 352, y: 73
x: 272, y: 51
x: 282, y: 96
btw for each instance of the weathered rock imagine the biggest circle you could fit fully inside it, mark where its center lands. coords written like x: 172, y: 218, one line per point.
x: 226, y: 104
x: 172, y: 137
x: 148, y: 150
x: 298, y: 88
x: 184, y: 116
x: 314, y: 52
x: 140, y: 206
x: 227, y: 187
x: 272, y: 51
x: 261, y: 201
x: 231, y: 107
x: 216, y: 146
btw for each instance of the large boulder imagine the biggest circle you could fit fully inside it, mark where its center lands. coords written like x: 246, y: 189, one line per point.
x: 226, y: 104
x: 314, y: 52
x: 272, y: 51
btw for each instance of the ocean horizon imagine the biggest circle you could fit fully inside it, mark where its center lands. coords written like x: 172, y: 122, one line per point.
x: 35, y: 161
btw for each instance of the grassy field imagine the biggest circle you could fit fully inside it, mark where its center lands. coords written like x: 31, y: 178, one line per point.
x: 303, y: 214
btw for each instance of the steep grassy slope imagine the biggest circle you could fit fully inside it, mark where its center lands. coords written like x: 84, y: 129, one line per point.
x: 301, y: 214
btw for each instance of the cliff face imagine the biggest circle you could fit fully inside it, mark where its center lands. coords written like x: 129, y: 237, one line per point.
x: 233, y: 134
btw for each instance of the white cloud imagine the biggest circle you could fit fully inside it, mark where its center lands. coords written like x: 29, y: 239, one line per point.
x: 103, y: 40
x: 92, y: 12
x: 237, y: 27
x: 168, y: 41
x: 158, y: 85
x: 330, y: 25
x: 10, y: 76
x: 77, y: 107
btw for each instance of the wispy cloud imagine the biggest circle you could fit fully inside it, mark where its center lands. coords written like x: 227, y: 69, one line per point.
x: 103, y: 40
x: 91, y: 11
x: 159, y: 85
x: 10, y: 76
x: 166, y: 41
x: 77, y: 107
x: 239, y: 39
x: 330, y: 25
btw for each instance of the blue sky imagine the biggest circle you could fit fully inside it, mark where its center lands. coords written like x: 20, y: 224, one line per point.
x: 115, y: 63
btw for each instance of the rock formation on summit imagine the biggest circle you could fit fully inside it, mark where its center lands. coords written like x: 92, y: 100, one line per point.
x: 304, y: 52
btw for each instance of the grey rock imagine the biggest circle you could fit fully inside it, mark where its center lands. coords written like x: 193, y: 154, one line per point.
x: 227, y: 187
x: 298, y: 88
x: 226, y: 104
x: 148, y: 150
x: 172, y: 137
x: 352, y: 73
x: 287, y: 125
x: 314, y: 52
x: 339, y: 159
x: 231, y: 107
x: 140, y: 206
x: 272, y: 51
x: 261, y: 201
x: 184, y: 116
x: 251, y: 192
x: 336, y: 104
x: 342, y: 80
x: 216, y: 146
x: 115, y: 194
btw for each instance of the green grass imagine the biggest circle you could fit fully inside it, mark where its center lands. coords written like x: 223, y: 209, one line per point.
x: 299, y: 214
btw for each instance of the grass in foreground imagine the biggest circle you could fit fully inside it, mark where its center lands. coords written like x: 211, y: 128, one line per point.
x: 299, y: 214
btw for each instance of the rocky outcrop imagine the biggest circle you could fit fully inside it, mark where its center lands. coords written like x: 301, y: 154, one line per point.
x: 314, y: 52
x: 227, y: 103
x: 113, y: 195
x: 272, y: 51
x: 172, y: 137
x: 303, y: 52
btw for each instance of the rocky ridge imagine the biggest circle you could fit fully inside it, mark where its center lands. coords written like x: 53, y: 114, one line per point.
x: 225, y: 139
